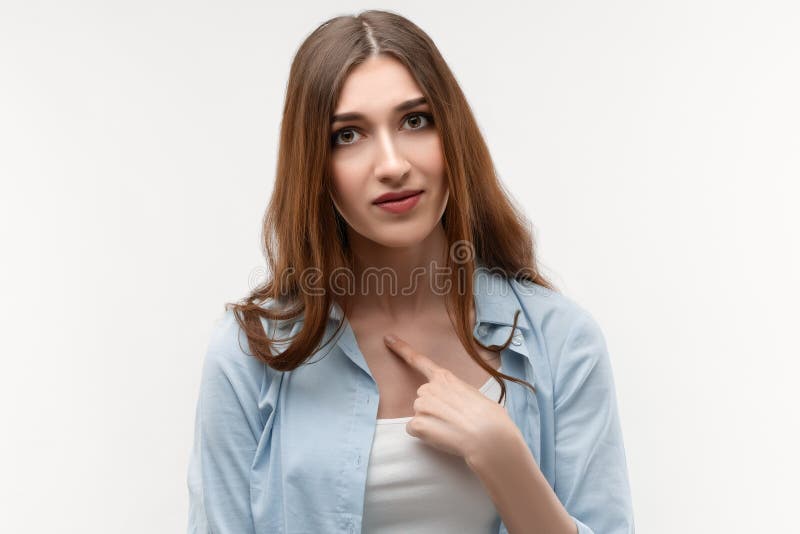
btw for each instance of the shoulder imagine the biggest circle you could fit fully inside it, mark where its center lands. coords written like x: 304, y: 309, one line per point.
x: 551, y: 311
x: 235, y: 386
x: 228, y: 352
x: 570, y: 335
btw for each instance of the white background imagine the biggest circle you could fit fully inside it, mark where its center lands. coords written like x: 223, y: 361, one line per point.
x: 654, y: 145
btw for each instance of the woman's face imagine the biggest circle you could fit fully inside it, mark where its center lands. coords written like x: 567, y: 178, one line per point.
x: 383, y: 140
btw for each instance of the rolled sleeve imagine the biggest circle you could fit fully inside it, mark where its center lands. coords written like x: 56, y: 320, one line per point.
x: 591, y: 475
x: 226, y: 433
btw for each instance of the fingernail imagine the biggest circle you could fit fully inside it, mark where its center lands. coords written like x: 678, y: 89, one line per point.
x: 390, y: 339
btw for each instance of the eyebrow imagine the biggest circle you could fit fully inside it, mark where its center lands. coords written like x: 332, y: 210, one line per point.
x: 351, y: 116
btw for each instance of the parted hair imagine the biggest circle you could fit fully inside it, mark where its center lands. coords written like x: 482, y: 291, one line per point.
x: 303, y: 233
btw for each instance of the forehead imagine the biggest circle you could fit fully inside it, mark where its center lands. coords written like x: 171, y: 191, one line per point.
x: 380, y: 83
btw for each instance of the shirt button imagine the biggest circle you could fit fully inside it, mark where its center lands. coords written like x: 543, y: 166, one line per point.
x: 483, y: 330
x: 517, y: 340
x: 358, y: 460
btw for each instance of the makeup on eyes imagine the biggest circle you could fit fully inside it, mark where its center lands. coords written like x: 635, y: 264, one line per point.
x: 405, y: 106
x: 425, y: 114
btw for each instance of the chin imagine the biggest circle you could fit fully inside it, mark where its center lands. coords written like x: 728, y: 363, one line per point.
x: 401, y: 238
x: 398, y: 241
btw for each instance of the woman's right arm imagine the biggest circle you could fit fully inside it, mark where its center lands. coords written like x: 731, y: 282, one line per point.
x: 226, y: 434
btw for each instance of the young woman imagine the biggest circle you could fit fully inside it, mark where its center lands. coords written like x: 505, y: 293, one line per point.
x: 407, y: 369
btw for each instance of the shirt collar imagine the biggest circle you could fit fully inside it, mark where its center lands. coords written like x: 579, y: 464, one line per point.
x: 496, y: 302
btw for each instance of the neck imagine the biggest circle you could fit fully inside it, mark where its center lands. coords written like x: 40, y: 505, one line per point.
x: 400, y: 283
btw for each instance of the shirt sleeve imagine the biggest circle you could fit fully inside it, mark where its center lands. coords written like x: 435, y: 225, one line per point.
x: 591, y: 475
x: 226, y: 435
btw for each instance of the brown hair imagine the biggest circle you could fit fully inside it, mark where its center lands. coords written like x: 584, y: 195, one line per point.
x: 298, y: 222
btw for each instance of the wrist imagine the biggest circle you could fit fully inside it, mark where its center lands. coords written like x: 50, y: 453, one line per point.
x: 502, y: 449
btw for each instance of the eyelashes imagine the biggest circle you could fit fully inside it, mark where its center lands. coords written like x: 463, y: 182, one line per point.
x: 428, y: 123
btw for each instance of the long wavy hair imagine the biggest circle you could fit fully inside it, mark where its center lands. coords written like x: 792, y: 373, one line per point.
x: 301, y: 220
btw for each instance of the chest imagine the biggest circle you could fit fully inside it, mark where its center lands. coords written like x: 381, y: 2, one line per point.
x: 397, y: 382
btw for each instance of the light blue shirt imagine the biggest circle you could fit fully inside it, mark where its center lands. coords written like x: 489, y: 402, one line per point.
x: 279, y: 452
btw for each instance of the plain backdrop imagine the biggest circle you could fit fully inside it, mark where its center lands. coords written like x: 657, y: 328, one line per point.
x: 655, y: 147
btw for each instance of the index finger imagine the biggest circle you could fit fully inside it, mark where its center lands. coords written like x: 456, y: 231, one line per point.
x: 415, y: 359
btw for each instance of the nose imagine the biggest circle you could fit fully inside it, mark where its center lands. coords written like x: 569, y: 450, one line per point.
x: 390, y: 163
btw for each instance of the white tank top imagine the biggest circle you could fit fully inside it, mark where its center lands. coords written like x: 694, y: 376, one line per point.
x: 414, y: 488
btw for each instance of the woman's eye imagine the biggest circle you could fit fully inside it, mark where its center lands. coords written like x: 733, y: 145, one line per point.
x: 346, y: 135
x: 416, y: 118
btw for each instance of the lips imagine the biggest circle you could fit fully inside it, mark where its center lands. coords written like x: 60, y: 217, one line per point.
x: 399, y: 195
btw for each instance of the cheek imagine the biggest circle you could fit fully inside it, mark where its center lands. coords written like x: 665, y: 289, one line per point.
x: 430, y: 159
x: 346, y: 184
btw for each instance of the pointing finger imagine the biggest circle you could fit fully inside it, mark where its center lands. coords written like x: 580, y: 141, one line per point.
x: 415, y: 359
